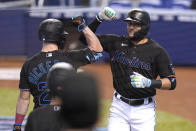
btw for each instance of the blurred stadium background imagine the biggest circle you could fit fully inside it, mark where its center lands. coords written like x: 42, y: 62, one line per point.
x: 173, y: 26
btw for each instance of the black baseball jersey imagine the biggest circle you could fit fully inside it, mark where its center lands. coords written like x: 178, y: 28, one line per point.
x: 44, y: 119
x: 148, y: 59
x: 34, y: 71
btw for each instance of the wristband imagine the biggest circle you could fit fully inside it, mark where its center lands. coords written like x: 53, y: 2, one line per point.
x: 156, y: 84
x: 99, y: 19
x: 19, y: 119
x: 82, y: 26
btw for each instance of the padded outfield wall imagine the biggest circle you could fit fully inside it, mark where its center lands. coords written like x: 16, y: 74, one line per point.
x: 173, y: 29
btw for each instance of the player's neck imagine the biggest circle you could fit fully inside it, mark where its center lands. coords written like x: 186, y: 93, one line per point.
x: 143, y: 41
x: 49, y: 47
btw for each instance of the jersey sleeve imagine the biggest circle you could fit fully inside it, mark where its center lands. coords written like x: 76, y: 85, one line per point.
x: 23, y: 83
x: 109, y: 42
x: 164, y: 64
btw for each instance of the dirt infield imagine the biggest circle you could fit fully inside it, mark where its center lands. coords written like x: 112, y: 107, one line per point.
x: 180, y: 102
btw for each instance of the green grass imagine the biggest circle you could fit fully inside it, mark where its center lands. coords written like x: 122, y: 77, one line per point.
x: 165, y: 121
x: 170, y: 122
x: 8, y: 100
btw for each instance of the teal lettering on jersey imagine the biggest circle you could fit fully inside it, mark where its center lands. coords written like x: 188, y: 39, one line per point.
x: 132, y: 62
x: 40, y: 70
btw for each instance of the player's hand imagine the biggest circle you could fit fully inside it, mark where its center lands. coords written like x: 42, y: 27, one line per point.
x: 17, y: 127
x: 139, y: 81
x: 106, y: 14
x: 79, y: 22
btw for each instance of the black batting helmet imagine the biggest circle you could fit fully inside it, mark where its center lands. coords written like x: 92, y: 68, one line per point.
x: 58, y: 73
x: 52, y: 30
x: 80, y: 101
x: 141, y: 17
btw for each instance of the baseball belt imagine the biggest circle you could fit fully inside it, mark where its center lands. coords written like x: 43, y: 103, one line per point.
x: 133, y: 102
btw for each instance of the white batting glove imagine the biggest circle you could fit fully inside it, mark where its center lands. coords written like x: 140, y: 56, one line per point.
x: 106, y: 14
x: 139, y: 81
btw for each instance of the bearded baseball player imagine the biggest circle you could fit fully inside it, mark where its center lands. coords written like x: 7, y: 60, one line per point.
x: 136, y: 62
x: 35, y: 69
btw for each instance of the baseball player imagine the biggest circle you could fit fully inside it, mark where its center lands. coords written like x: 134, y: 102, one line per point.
x: 46, y: 118
x: 136, y: 62
x: 35, y: 69
x: 74, y: 102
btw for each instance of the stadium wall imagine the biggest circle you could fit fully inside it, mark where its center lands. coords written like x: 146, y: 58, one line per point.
x: 173, y: 29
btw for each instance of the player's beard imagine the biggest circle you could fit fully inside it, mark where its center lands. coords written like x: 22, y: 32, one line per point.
x: 135, y: 35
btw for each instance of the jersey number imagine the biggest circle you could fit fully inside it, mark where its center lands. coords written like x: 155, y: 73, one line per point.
x: 44, y: 96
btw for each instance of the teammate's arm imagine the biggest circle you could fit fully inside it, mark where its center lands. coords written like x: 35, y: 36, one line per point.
x: 139, y: 81
x: 166, y: 84
x: 21, y: 108
x: 91, y: 39
x: 107, y: 41
x: 165, y: 70
x: 106, y: 13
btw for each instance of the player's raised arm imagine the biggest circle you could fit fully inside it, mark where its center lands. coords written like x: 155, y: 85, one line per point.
x: 106, y: 13
x: 91, y: 39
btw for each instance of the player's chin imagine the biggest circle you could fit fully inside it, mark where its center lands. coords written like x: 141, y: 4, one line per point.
x: 131, y: 35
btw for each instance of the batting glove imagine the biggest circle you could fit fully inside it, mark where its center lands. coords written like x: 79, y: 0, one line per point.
x: 79, y: 22
x: 106, y: 14
x: 139, y: 81
x: 17, y: 127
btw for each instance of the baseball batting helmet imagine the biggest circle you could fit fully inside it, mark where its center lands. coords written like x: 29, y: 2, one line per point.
x: 58, y: 73
x: 52, y: 30
x: 143, y: 18
x: 80, y: 101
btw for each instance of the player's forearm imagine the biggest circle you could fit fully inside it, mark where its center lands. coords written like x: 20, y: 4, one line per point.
x: 163, y: 84
x: 166, y: 84
x: 22, y: 106
x: 92, y: 40
x: 140, y: 81
x: 21, y: 110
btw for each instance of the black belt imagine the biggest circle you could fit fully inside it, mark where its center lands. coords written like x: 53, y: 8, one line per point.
x: 133, y: 102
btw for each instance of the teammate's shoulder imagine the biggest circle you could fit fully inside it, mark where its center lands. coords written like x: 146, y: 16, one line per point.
x: 41, y: 110
x: 31, y: 59
x: 154, y: 43
x: 157, y: 47
x: 62, y: 52
x: 35, y: 56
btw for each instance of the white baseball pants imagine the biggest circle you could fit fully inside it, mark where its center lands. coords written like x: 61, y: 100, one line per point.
x: 124, y: 117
